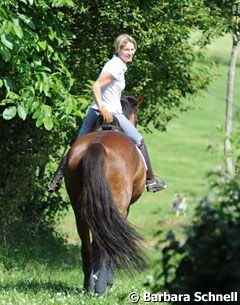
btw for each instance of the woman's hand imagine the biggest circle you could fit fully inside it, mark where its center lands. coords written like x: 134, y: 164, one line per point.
x: 107, y: 116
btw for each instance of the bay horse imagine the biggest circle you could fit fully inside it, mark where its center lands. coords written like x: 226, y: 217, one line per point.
x: 104, y: 175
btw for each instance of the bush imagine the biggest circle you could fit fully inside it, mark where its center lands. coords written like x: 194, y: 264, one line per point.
x: 209, y: 259
x: 23, y: 181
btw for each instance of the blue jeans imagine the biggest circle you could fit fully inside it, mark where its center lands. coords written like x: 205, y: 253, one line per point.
x: 128, y: 128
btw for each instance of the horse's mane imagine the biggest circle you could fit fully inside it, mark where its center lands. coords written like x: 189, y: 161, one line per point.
x: 129, y: 104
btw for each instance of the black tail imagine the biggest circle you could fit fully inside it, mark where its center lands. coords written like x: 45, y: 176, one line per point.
x: 116, y: 238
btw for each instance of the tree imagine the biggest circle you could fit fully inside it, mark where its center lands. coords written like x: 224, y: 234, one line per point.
x: 34, y: 79
x: 165, y: 67
x: 230, y: 88
x: 49, y: 50
x: 35, y: 93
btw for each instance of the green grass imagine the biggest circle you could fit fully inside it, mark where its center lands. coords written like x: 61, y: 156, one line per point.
x: 42, y: 286
x: 55, y: 279
x: 183, y: 155
x: 220, y: 50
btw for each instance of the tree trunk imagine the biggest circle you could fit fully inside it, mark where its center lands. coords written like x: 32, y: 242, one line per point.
x: 229, y: 106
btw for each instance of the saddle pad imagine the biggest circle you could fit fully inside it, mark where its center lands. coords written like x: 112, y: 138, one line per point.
x: 140, y: 153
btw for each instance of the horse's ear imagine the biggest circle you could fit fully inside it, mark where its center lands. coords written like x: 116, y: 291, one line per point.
x: 140, y: 100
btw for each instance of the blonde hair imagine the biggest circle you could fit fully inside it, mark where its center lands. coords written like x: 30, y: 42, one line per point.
x: 122, y: 40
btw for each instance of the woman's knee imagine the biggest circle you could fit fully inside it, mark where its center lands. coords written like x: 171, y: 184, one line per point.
x: 129, y: 129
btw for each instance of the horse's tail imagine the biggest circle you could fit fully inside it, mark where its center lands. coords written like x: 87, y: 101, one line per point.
x: 116, y: 238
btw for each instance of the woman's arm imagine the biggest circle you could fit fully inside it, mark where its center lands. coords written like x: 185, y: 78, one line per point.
x: 103, y: 80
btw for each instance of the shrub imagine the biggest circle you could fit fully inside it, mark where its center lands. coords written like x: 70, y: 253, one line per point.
x: 23, y: 181
x: 209, y: 259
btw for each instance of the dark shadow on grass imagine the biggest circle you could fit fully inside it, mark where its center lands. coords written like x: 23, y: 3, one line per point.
x: 44, y: 247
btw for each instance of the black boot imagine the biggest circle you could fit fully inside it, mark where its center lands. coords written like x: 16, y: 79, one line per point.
x: 55, y: 183
x: 152, y: 184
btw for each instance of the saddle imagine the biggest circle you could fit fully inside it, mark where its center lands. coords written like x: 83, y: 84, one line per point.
x: 101, y: 125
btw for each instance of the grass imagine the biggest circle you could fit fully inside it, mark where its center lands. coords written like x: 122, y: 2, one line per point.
x: 57, y: 280
x: 183, y: 155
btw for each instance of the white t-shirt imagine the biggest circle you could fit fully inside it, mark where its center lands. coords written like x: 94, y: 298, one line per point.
x: 111, y: 93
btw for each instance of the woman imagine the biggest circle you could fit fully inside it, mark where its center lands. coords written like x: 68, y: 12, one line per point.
x: 107, y: 95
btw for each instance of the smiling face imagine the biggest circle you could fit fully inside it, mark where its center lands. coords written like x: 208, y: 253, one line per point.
x: 125, y: 47
x: 126, y: 52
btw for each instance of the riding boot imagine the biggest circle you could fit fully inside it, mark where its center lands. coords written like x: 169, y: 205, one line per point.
x: 152, y: 184
x: 55, y: 183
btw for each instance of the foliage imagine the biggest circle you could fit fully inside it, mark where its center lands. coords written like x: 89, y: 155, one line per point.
x: 35, y: 93
x: 49, y: 50
x: 164, y: 68
x: 209, y: 259
x: 47, y: 46
x: 34, y: 78
x: 23, y: 179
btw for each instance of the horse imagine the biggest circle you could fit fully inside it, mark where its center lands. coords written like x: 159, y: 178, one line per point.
x: 105, y: 174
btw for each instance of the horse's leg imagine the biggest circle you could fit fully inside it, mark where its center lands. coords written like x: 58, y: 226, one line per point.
x: 96, y: 260
x: 110, y: 275
x: 103, y: 270
x: 100, y: 270
x: 86, y: 251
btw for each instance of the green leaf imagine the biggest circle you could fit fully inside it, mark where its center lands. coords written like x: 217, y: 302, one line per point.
x: 28, y: 21
x: 34, y: 104
x: 60, y: 3
x: 18, y: 30
x: 6, y: 101
x: 22, y: 112
x: 69, y: 105
x: 48, y: 123
x: 42, y: 44
x: 37, y: 114
x: 47, y: 110
x: 3, y: 12
x: 5, y: 54
x: 4, y: 27
x: 6, y: 42
x: 39, y: 122
x: 12, y: 95
x: 8, y: 84
x: 9, y: 113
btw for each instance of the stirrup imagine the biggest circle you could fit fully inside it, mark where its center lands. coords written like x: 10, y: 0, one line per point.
x: 54, y: 186
x: 154, y: 185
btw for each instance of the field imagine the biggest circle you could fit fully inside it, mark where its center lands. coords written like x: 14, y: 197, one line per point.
x: 183, y: 155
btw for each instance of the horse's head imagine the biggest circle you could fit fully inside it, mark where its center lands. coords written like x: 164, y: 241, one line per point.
x: 130, y: 106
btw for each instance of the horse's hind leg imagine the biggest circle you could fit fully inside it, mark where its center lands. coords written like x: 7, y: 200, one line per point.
x: 86, y: 251
x: 110, y: 276
x: 102, y: 271
x: 101, y: 282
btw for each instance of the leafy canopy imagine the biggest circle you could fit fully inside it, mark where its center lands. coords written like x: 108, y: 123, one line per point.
x: 34, y: 78
x: 49, y: 50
